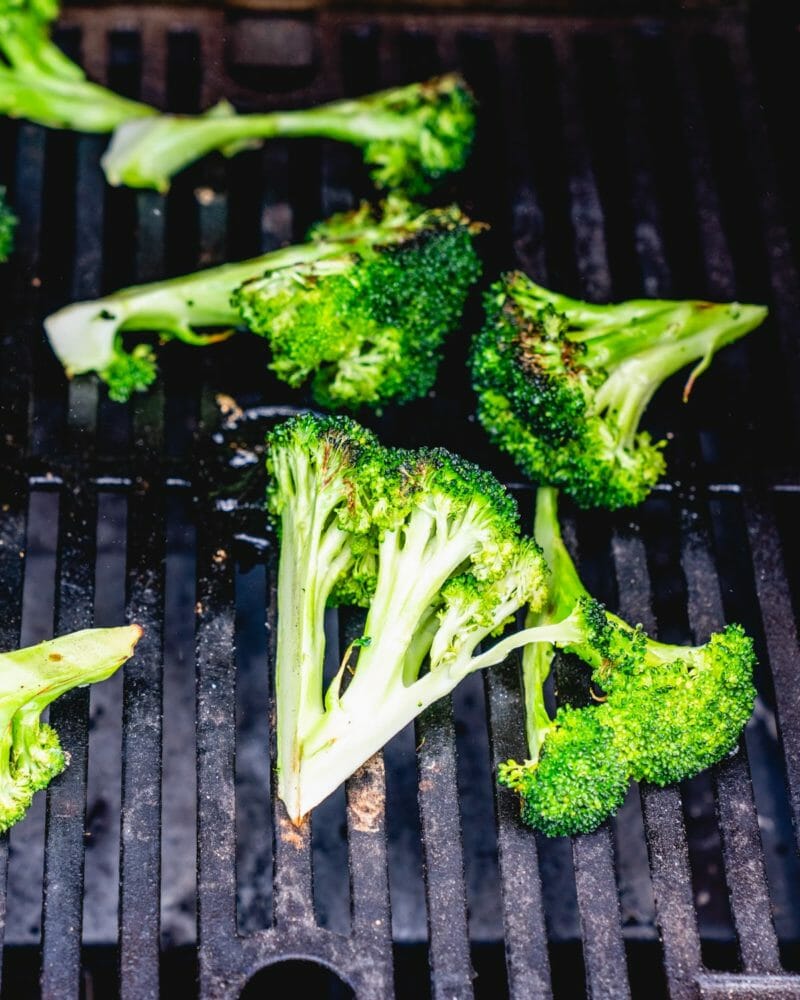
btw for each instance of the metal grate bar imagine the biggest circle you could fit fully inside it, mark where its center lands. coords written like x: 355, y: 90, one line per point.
x: 525, y: 933
x: 451, y: 968
x: 62, y: 914
x: 774, y: 598
x: 741, y: 840
x: 661, y: 807
x: 216, y: 803
x: 719, y: 986
x: 140, y: 840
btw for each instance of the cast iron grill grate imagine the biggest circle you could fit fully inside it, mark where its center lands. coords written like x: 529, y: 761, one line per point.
x: 616, y: 157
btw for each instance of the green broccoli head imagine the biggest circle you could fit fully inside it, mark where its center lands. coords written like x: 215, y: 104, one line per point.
x: 438, y: 118
x: 579, y: 779
x: 8, y: 224
x: 662, y: 713
x: 562, y: 385
x: 368, y: 324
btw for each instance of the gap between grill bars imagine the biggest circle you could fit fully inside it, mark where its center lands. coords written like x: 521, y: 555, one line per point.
x: 615, y: 157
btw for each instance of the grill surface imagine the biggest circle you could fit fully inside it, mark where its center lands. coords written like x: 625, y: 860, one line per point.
x: 615, y: 158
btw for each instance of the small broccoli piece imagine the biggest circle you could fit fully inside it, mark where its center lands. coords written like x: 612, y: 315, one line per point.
x: 8, y: 223
x: 363, y: 307
x: 39, y: 83
x: 30, y: 751
x: 562, y: 385
x: 441, y: 565
x: 667, y: 712
x: 410, y: 136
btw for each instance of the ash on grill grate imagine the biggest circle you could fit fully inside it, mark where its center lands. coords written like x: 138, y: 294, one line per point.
x: 615, y: 158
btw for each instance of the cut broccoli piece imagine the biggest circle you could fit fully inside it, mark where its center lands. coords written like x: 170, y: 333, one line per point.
x: 8, y: 224
x: 447, y: 570
x: 363, y: 307
x: 30, y: 751
x: 562, y: 385
x: 410, y: 136
x: 667, y: 712
x: 40, y: 83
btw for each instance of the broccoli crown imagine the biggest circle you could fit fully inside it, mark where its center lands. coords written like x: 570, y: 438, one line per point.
x: 579, y: 779
x: 8, y: 224
x: 439, y: 127
x: 30, y: 679
x: 562, y: 385
x: 310, y: 454
x: 666, y: 712
x: 369, y: 324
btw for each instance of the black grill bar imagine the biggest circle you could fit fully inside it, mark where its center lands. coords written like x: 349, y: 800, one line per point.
x: 744, y: 860
x: 661, y: 807
x: 140, y: 839
x: 62, y: 914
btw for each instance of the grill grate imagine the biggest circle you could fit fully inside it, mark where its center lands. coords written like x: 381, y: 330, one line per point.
x: 616, y: 157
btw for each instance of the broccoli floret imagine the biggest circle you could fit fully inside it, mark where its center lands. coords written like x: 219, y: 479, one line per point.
x: 40, y: 83
x: 562, y: 385
x: 447, y: 570
x: 666, y: 713
x: 8, y: 223
x: 410, y: 136
x: 30, y: 751
x: 363, y: 307
x: 368, y: 325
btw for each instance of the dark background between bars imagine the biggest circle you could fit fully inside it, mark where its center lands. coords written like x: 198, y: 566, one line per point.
x: 615, y: 157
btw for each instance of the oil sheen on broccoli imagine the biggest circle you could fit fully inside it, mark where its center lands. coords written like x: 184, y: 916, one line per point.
x: 562, y: 385
x: 666, y: 712
x: 410, y: 136
x: 30, y: 679
x: 38, y: 82
x: 429, y: 545
x: 362, y: 309
x: 8, y: 223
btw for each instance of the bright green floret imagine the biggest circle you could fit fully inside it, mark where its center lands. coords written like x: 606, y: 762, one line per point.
x: 667, y: 712
x: 362, y: 309
x: 410, y: 136
x: 433, y: 543
x: 30, y: 679
x: 39, y: 83
x: 8, y: 224
x: 563, y: 385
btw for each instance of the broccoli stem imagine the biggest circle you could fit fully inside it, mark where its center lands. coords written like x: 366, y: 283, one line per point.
x: 84, y: 334
x: 148, y: 154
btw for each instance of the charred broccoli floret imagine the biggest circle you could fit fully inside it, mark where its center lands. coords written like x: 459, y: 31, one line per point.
x: 562, y: 385
x: 667, y: 712
x: 410, y: 136
x: 444, y: 569
x: 363, y: 308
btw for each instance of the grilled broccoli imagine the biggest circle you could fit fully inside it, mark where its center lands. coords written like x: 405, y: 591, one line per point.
x: 8, y: 223
x: 441, y: 567
x: 410, y: 136
x: 363, y: 307
x: 31, y: 754
x: 40, y: 83
x: 666, y: 713
x: 563, y: 385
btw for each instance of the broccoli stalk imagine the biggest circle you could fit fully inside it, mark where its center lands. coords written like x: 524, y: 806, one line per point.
x: 410, y: 135
x: 38, y: 82
x: 363, y: 307
x: 30, y: 751
x: 448, y: 570
x: 563, y: 385
x: 8, y: 224
x: 667, y: 712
